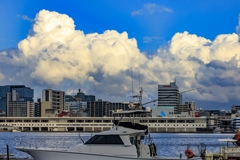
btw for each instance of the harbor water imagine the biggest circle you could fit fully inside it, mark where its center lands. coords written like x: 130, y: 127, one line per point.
x: 168, y: 144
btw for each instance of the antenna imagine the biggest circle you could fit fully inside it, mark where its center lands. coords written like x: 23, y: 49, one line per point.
x: 132, y: 83
x: 80, y: 137
x: 139, y: 77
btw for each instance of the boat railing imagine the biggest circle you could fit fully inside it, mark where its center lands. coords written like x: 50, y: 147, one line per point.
x: 3, y: 153
x: 23, y: 142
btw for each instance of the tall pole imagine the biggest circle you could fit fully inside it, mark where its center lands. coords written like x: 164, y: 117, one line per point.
x: 132, y: 84
x: 7, y: 152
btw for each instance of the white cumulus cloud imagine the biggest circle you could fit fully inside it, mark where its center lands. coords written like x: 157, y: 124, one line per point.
x: 56, y: 54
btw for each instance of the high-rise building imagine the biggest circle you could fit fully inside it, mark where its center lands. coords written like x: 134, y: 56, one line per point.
x: 52, y: 100
x: 168, y: 96
x: 104, y: 108
x: 112, y: 106
x: 13, y: 93
x: 84, y: 98
x: 38, y: 108
x: 98, y: 108
x: 21, y: 109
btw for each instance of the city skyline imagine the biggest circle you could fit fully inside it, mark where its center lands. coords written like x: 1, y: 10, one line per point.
x: 105, y: 47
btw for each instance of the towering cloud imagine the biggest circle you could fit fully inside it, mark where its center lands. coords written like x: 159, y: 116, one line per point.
x: 56, y: 54
x: 62, y: 53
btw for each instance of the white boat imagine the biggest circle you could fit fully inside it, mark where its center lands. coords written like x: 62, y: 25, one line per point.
x: 16, y: 130
x: 217, y: 130
x: 123, y: 142
x: 229, y: 151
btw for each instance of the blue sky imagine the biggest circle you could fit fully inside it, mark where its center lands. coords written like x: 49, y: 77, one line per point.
x: 194, y: 42
x: 152, y: 28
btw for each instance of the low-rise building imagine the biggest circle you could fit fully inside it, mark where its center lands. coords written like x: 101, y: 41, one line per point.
x: 98, y: 124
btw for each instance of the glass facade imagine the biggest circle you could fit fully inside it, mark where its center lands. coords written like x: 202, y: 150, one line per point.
x: 3, y: 102
x: 25, y: 94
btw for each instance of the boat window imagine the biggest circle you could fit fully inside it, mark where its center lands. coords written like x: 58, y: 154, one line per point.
x: 99, y: 140
x: 105, y: 139
x: 91, y: 140
x: 114, y: 139
x: 132, y: 140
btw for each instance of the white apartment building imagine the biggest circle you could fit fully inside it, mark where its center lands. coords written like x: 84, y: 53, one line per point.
x: 52, y: 100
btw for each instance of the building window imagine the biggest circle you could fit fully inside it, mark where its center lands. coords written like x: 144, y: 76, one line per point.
x: 105, y: 139
x: 190, y: 121
x: 152, y: 121
x: 171, y: 121
x: 106, y: 121
x: 161, y: 121
x: 180, y: 121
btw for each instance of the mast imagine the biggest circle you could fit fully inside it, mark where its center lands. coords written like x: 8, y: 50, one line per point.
x: 132, y: 83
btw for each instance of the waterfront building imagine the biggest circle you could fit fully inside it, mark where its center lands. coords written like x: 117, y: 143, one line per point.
x: 105, y: 108
x: 98, y: 108
x: 191, y: 105
x: 168, y: 96
x: 84, y: 98
x: 21, y: 109
x: 235, y: 124
x: 217, y: 118
x: 81, y: 97
x: 187, y: 107
x: 52, y: 100
x: 75, y: 109
x: 38, y: 108
x: 168, y: 111
x: 2, y: 113
x: 23, y: 93
x: 235, y: 108
x: 98, y: 124
x: 70, y: 98
x: 213, y: 113
x: 112, y: 106
x: 17, y: 107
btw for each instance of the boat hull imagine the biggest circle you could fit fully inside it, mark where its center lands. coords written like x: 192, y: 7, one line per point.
x: 43, y: 154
